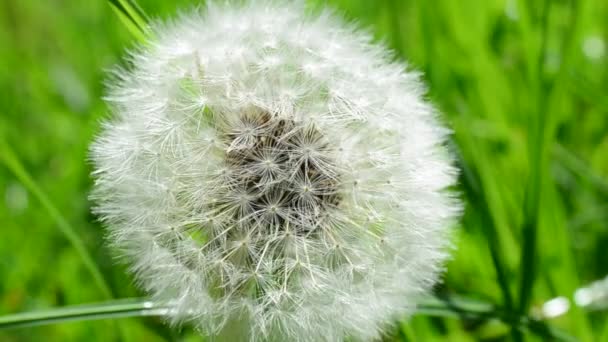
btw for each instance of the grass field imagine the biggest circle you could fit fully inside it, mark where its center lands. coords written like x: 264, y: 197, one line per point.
x: 523, y: 85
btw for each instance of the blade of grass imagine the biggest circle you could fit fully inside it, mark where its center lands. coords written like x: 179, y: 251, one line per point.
x: 10, y: 160
x: 394, y: 10
x: 456, y: 307
x: 134, y: 18
x: 551, y: 91
x: 580, y: 167
x: 466, y: 309
x: 476, y: 190
x: 471, y: 183
x: 475, y: 176
x: 536, y: 158
x: 107, y: 310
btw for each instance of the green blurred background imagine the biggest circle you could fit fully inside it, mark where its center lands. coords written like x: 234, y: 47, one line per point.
x: 523, y: 84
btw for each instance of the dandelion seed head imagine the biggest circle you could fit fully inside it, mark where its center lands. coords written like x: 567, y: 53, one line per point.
x: 274, y: 175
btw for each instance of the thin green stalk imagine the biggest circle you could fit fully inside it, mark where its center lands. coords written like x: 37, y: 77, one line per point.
x: 536, y: 159
x: 108, y: 310
x: 394, y: 11
x: 466, y: 309
x: 476, y: 191
x: 550, y: 90
x: 580, y: 167
x: 134, y: 18
x: 10, y: 160
x: 138, y: 307
x: 472, y: 183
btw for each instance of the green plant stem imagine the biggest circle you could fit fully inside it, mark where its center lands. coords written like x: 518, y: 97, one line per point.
x: 137, y: 307
x: 472, y: 186
x: 108, y: 310
x: 393, y: 6
x: 536, y: 159
x: 10, y: 160
x: 466, y: 309
x: 579, y: 167
x: 134, y: 18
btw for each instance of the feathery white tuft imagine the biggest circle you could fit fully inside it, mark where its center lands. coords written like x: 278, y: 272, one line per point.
x: 274, y: 175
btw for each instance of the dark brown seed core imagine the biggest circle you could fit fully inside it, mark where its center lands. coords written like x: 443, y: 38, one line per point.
x: 280, y: 176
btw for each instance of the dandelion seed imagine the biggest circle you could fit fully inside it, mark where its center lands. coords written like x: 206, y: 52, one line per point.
x: 274, y: 176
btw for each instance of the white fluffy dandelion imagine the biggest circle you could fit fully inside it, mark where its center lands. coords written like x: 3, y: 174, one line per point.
x: 274, y: 175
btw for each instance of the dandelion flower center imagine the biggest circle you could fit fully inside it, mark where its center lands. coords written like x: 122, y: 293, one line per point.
x: 280, y: 175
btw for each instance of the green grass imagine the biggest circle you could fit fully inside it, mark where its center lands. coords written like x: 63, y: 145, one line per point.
x: 527, y: 106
